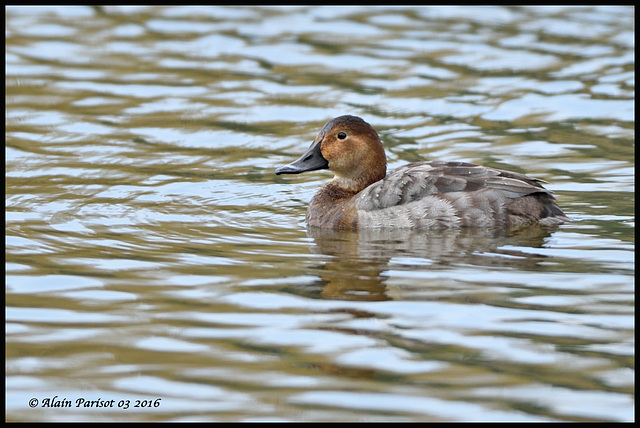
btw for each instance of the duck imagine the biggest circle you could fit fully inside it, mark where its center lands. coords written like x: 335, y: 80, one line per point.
x: 418, y: 195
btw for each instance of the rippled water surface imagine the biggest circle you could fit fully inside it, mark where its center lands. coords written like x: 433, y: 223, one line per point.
x: 158, y: 269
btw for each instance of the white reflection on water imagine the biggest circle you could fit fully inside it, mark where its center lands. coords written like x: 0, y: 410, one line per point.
x: 409, y: 403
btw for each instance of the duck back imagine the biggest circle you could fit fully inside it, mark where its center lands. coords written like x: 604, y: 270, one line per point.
x: 454, y: 194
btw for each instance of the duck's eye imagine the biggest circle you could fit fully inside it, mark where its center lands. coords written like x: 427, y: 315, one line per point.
x: 342, y: 135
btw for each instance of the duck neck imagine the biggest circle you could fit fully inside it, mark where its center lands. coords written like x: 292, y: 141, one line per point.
x: 351, y: 186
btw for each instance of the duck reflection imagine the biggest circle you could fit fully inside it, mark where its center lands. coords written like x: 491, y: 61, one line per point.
x: 357, y: 260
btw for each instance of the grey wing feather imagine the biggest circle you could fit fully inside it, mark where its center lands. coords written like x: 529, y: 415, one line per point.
x: 412, y: 182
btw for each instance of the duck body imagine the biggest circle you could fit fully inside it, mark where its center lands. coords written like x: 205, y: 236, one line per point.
x: 420, y: 195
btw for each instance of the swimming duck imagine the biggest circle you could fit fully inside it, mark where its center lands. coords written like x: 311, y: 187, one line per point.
x: 418, y: 195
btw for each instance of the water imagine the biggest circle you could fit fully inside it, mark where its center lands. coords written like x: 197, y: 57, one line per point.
x: 157, y: 269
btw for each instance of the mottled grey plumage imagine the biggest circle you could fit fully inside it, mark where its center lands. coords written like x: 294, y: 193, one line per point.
x: 453, y: 194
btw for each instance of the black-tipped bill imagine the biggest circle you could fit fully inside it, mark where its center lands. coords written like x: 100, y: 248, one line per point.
x: 311, y: 160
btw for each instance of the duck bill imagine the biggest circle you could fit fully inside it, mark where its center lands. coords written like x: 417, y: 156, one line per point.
x: 311, y: 160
